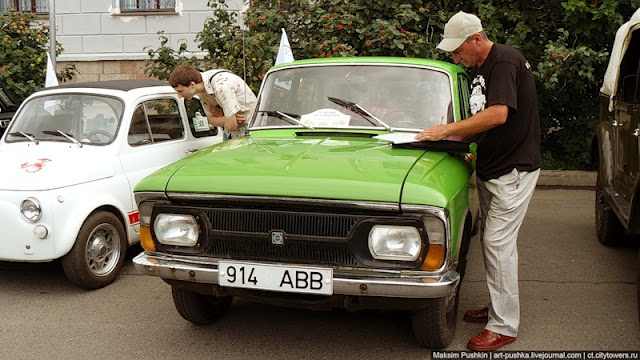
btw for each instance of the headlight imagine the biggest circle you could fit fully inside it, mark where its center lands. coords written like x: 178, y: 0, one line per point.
x: 176, y: 229
x: 389, y: 242
x: 31, y: 210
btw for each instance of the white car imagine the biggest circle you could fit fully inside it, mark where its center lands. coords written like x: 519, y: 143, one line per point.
x: 70, y: 159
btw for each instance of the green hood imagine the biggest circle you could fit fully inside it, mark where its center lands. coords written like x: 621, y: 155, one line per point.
x: 358, y: 169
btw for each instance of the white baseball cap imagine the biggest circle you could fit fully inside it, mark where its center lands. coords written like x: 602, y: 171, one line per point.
x: 458, y: 29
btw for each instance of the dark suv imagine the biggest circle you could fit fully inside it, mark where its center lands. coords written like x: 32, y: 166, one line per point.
x: 8, y: 106
x: 618, y: 184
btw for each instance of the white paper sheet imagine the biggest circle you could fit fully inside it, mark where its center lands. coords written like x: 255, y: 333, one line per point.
x: 397, y: 138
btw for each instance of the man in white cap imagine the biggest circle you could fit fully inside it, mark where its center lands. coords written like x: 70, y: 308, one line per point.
x: 506, y: 126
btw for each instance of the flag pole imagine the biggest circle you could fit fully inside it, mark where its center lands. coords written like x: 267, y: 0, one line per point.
x: 52, y: 32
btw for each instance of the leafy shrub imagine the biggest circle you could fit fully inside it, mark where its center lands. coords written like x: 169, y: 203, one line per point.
x: 567, y: 43
x: 23, y: 54
x: 165, y: 58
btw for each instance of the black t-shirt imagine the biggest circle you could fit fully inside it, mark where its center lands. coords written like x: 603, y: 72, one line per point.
x: 505, y: 78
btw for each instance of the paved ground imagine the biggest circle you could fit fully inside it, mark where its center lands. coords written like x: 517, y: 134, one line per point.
x: 575, y: 293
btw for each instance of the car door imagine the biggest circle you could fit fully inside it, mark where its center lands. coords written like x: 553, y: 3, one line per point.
x: 626, y: 121
x: 157, y: 135
x: 626, y: 147
x: 463, y: 96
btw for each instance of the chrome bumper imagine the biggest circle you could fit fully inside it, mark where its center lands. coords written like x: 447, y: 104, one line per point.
x: 346, y: 281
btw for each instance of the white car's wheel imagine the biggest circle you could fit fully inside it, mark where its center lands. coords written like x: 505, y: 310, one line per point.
x: 198, y: 308
x: 98, y: 253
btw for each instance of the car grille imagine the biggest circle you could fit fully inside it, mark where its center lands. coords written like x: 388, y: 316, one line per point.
x: 261, y: 222
x: 311, y: 238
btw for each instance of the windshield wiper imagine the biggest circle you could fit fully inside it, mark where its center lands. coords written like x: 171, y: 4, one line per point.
x: 285, y: 116
x: 360, y: 111
x: 26, y: 135
x: 61, y: 133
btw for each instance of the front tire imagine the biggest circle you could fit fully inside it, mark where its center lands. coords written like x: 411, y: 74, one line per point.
x: 464, y: 249
x: 435, y: 324
x: 608, y: 227
x: 98, y: 253
x: 198, y: 308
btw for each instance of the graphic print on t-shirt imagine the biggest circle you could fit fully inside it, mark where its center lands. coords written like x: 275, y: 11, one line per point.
x: 478, y: 99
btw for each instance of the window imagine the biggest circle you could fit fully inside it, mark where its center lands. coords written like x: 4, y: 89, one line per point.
x: 464, y: 97
x: 8, y: 100
x: 147, y: 5
x: 90, y: 119
x: 155, y: 121
x: 401, y: 96
x: 34, y: 6
x: 628, y: 84
x: 198, y: 120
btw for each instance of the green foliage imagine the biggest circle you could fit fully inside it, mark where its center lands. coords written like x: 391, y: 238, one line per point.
x: 570, y: 67
x: 165, y: 59
x: 566, y: 42
x: 23, y: 54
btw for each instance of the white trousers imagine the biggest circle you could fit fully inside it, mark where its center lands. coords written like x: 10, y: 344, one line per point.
x: 503, y: 204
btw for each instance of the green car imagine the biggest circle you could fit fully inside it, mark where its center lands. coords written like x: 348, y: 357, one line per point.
x: 328, y: 202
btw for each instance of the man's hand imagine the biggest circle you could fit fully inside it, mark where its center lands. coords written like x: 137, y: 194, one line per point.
x: 435, y: 133
x: 216, y: 111
x: 240, y: 119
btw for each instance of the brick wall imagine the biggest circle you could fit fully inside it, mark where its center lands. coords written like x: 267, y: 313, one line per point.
x: 106, y: 70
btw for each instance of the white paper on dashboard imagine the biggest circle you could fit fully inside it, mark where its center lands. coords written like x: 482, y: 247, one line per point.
x: 326, y: 118
x: 397, y: 138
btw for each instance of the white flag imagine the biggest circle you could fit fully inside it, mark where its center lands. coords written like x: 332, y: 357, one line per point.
x: 50, y: 79
x: 285, y: 55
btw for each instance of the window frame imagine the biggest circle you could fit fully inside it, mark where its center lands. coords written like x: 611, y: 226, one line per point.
x: 17, y: 5
x: 140, y: 10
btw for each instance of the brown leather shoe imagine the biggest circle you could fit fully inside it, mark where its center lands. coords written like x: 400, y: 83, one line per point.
x: 488, y: 340
x: 477, y: 316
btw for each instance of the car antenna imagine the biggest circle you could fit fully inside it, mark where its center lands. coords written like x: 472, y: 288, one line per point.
x: 244, y: 56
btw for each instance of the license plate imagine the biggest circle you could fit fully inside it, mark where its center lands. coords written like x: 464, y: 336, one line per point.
x: 285, y: 278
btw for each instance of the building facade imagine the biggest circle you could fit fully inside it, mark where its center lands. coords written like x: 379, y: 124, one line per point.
x: 106, y: 39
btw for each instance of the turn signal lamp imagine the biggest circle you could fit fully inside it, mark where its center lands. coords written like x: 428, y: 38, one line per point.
x: 434, y: 259
x: 436, y: 231
x: 145, y: 239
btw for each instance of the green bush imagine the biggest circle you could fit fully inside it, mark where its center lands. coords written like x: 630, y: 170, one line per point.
x: 165, y: 58
x: 23, y: 54
x: 567, y: 42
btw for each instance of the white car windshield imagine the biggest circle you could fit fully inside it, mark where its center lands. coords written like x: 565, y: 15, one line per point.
x: 358, y: 96
x: 88, y: 119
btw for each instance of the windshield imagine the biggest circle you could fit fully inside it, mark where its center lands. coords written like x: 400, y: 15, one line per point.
x: 89, y: 119
x: 362, y: 96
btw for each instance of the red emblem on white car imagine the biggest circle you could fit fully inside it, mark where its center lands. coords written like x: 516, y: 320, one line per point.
x: 34, y: 166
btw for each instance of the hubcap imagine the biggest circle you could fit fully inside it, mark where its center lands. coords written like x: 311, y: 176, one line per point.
x: 103, y: 250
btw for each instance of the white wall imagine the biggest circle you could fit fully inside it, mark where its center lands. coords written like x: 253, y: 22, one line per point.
x: 94, y: 30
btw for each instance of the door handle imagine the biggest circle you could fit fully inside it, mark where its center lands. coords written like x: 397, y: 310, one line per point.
x: 614, y: 123
x: 191, y: 151
x: 636, y: 132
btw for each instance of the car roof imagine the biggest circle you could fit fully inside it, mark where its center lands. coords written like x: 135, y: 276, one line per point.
x: 122, y: 85
x: 375, y: 60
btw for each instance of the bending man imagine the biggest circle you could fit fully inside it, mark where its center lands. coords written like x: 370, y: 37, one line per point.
x: 227, y: 100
